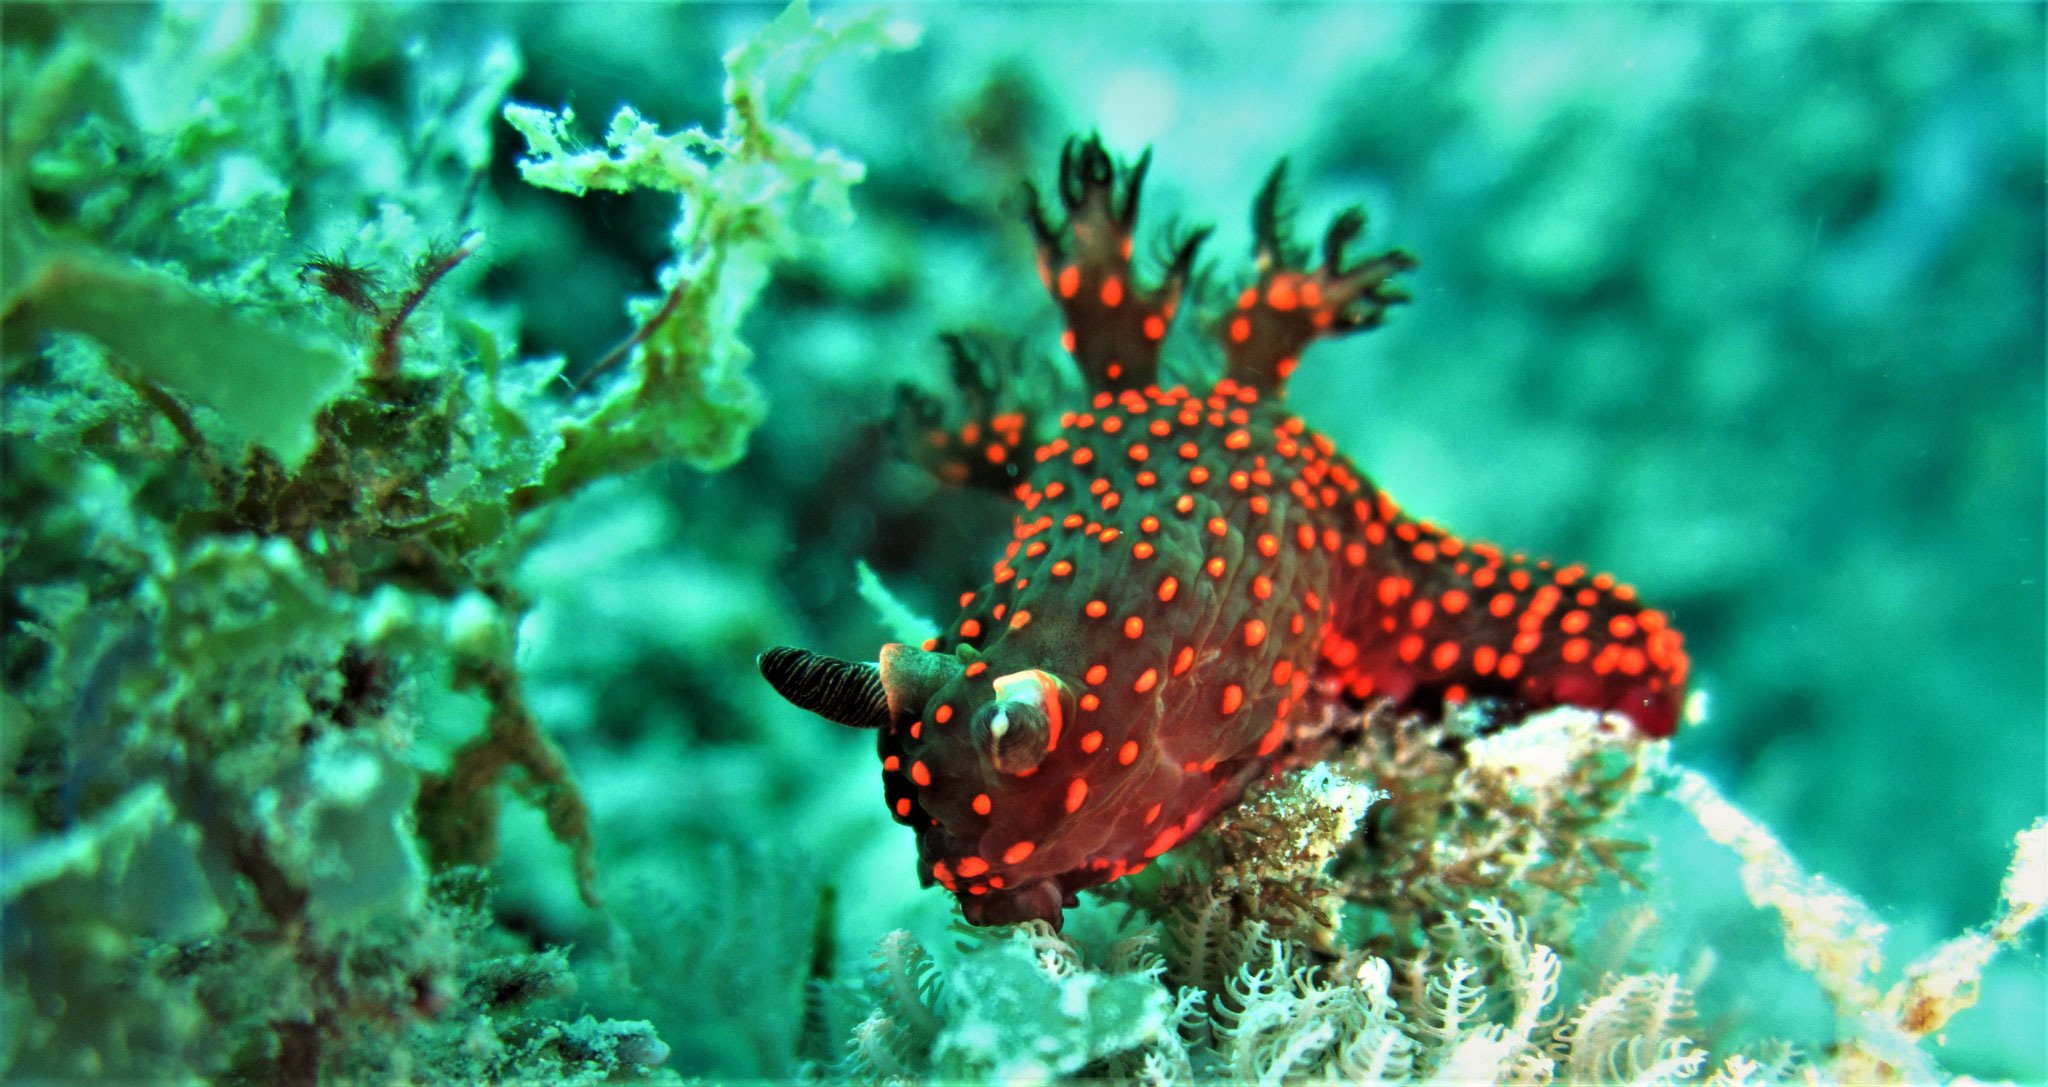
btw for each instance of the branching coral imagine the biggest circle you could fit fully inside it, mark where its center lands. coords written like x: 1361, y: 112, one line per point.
x: 1257, y: 986
x: 1838, y: 941
x: 1530, y: 815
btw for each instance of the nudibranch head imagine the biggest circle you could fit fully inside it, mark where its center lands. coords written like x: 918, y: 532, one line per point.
x: 1017, y: 786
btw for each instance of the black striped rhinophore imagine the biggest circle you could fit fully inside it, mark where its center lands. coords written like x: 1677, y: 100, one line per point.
x: 845, y: 692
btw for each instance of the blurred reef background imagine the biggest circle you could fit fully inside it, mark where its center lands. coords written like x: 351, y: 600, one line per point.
x: 398, y: 486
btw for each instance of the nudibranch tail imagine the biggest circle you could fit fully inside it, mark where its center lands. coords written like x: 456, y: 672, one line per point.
x: 1448, y: 621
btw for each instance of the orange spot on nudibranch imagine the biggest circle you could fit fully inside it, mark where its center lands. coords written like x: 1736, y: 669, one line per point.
x: 1134, y: 627
x: 981, y: 807
x: 1017, y: 853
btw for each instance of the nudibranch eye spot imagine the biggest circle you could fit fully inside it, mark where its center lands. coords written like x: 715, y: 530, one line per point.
x: 1268, y: 584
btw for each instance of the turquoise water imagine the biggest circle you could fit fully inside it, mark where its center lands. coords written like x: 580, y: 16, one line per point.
x: 1744, y: 304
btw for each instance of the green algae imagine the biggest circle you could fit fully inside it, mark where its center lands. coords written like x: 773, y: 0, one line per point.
x: 271, y: 461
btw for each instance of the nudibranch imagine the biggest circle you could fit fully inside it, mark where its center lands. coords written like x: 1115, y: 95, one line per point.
x: 1194, y: 578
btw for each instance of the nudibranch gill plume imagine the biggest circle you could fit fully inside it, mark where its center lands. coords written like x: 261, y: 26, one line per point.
x: 1193, y: 577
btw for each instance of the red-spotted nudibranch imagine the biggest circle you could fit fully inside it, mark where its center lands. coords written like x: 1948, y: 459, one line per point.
x: 1192, y: 573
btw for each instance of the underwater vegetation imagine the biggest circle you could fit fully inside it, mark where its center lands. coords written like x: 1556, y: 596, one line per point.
x: 416, y: 421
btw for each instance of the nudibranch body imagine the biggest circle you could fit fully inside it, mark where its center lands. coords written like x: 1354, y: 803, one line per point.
x: 1194, y: 576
